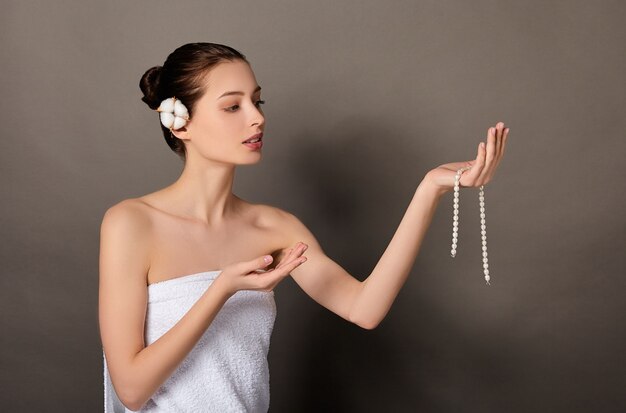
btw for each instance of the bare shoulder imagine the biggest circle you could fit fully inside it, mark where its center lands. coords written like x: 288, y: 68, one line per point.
x: 129, y: 213
x: 125, y: 244
x: 126, y: 223
x: 287, y: 224
x: 269, y: 216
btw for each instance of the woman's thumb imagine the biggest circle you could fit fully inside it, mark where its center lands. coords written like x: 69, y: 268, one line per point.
x: 260, y: 262
x: 266, y: 260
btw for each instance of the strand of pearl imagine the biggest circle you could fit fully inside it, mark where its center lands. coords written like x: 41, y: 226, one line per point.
x: 483, y: 225
x: 483, y: 232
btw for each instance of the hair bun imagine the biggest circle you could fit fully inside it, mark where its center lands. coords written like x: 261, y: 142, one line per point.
x: 149, y: 85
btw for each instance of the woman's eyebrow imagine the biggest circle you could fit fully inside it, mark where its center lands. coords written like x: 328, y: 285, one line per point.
x: 237, y: 92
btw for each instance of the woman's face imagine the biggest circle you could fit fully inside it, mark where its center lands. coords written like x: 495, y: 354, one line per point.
x: 227, y: 114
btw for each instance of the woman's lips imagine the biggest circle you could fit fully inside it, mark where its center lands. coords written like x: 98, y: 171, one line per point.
x: 258, y: 136
x: 257, y: 141
x: 255, y: 146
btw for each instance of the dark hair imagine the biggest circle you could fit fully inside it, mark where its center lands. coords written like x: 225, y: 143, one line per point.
x: 182, y: 76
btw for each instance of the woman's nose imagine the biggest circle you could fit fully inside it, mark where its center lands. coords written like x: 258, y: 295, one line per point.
x: 259, y: 119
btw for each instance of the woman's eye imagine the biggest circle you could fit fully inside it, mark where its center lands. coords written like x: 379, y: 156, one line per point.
x: 235, y: 107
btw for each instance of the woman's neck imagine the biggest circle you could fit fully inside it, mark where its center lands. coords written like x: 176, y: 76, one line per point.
x: 204, y: 193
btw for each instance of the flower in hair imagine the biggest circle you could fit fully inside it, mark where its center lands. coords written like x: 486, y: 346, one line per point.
x: 173, y: 113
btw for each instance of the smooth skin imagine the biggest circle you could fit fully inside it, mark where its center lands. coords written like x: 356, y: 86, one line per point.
x: 197, y: 224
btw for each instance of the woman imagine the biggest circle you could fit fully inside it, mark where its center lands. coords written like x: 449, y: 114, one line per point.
x: 179, y: 337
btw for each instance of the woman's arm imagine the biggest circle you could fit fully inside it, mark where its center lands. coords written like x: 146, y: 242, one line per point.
x: 367, y: 303
x: 136, y: 370
x: 380, y: 289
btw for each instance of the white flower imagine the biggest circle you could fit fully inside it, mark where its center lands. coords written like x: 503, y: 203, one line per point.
x: 173, y: 113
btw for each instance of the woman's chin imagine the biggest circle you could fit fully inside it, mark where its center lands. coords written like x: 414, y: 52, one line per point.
x: 251, y: 160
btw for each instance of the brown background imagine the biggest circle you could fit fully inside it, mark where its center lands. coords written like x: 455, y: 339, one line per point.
x: 363, y: 98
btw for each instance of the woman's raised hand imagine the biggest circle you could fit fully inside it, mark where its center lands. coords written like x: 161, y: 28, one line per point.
x: 249, y: 275
x: 483, y: 167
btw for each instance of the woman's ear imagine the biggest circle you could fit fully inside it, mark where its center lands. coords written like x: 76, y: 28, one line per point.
x: 181, y: 133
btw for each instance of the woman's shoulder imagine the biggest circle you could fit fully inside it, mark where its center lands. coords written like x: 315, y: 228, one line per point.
x: 129, y: 214
x: 129, y: 206
x: 280, y: 221
x: 267, y: 215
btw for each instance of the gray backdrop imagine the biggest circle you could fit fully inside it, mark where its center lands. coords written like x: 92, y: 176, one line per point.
x: 363, y: 98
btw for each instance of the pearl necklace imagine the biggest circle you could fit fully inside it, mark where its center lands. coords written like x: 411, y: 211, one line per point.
x: 483, y: 226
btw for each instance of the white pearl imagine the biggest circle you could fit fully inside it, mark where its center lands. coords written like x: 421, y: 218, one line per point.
x: 167, y: 119
x: 485, y: 247
x: 167, y: 106
x: 486, y: 272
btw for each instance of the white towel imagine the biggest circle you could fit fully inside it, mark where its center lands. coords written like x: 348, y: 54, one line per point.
x: 227, y: 370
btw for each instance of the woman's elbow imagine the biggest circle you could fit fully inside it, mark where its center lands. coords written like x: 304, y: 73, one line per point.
x: 130, y: 398
x: 130, y: 401
x: 365, y: 323
x: 370, y: 325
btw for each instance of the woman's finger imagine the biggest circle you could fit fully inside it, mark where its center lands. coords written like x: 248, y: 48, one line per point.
x: 485, y: 174
x: 506, y: 133
x: 469, y: 178
x: 493, y: 161
x: 253, y: 265
x: 500, y: 152
x: 285, y: 255
x: 293, y: 254
x: 269, y: 280
x: 498, y: 144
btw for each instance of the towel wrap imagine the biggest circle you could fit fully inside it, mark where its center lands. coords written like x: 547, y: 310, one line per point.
x: 227, y: 370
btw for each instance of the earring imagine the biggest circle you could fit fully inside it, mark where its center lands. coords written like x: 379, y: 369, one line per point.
x: 173, y: 114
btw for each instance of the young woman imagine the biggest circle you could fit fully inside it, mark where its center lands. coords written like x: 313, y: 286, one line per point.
x: 187, y: 273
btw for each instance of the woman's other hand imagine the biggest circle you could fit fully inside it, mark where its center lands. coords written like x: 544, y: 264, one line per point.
x: 250, y: 275
x: 483, y: 167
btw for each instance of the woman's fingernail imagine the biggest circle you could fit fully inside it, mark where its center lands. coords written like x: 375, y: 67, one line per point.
x: 268, y: 259
x: 482, y: 145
